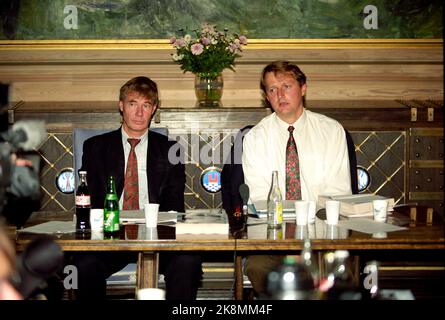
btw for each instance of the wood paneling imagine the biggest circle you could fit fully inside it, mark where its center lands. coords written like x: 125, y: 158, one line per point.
x: 351, y: 70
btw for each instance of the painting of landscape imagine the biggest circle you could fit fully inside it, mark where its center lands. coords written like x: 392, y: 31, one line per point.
x: 258, y: 19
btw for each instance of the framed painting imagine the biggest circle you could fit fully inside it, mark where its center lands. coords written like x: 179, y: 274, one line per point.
x: 276, y: 22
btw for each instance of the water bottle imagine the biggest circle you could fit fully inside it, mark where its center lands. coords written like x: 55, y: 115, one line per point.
x: 309, y: 260
x: 341, y: 278
x: 274, y: 204
x: 290, y: 281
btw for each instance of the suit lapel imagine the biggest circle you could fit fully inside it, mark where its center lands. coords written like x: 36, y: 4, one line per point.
x: 116, y: 154
x: 153, y: 156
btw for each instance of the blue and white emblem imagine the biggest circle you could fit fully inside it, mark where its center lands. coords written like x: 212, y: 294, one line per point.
x: 211, y: 179
x: 363, y: 178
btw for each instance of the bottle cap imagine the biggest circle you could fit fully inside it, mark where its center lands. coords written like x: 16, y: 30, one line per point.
x: 82, y: 172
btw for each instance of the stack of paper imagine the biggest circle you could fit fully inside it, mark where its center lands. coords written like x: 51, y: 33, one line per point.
x: 138, y: 216
x: 205, y: 226
x: 355, y: 205
x: 259, y: 209
x: 51, y: 227
x: 202, y: 228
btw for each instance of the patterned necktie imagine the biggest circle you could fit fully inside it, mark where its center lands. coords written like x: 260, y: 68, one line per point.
x: 131, y: 187
x: 293, y: 184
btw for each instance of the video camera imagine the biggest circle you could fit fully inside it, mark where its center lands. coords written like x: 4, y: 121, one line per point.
x: 19, y: 164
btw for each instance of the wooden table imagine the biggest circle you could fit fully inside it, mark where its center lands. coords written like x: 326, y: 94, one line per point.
x: 252, y: 239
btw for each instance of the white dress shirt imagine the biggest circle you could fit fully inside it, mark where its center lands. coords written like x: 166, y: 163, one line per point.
x: 322, y: 153
x: 141, y: 155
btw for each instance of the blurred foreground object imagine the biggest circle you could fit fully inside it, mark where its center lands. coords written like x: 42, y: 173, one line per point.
x: 41, y: 260
x: 291, y: 281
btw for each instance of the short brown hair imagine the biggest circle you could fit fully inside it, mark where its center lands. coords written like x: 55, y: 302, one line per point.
x: 284, y: 67
x: 142, y: 85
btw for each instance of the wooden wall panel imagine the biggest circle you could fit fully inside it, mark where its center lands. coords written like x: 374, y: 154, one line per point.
x: 353, y: 70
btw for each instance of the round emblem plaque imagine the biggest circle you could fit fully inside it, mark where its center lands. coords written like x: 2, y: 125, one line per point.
x: 65, y: 181
x: 363, y: 179
x: 211, y: 179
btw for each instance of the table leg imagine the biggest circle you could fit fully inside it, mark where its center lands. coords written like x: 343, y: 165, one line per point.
x: 147, y: 270
x: 238, y: 278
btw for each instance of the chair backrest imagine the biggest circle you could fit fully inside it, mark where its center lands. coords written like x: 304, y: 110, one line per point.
x: 81, y: 134
x: 352, y: 162
x: 232, y: 175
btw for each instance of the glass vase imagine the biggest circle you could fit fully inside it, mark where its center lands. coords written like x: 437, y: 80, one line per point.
x: 209, y: 91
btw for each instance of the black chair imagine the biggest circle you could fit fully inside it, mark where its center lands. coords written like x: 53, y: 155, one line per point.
x: 232, y: 175
x: 352, y: 162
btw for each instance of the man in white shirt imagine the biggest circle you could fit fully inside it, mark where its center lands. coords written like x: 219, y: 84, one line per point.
x: 321, y: 147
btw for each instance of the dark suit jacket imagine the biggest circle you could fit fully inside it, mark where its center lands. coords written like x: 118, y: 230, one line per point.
x: 103, y: 155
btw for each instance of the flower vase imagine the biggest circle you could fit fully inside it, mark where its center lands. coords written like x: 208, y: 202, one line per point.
x: 209, y: 90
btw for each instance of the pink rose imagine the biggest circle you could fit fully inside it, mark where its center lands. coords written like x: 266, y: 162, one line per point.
x: 197, y: 49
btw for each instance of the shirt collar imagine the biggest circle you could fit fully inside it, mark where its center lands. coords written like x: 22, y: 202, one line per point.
x: 125, y: 136
x: 298, y: 125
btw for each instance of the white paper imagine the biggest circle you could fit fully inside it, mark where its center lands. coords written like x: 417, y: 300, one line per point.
x: 203, y: 225
x: 202, y: 228
x: 138, y: 216
x: 261, y: 206
x: 355, y: 205
x: 51, y: 227
x: 368, y: 225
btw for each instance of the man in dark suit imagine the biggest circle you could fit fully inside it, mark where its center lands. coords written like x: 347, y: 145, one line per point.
x: 161, y: 179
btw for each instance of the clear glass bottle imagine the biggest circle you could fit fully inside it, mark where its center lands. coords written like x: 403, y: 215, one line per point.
x: 309, y: 259
x: 83, y: 205
x: 111, y: 210
x: 342, y: 279
x: 274, y: 204
x: 290, y: 281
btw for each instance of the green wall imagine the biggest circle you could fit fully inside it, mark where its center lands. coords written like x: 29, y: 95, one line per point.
x: 258, y: 19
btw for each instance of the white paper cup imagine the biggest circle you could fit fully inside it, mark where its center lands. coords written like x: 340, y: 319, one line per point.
x: 380, y: 210
x: 97, y: 219
x: 151, y: 233
x: 301, y: 232
x: 301, y: 212
x: 97, y: 235
x: 151, y: 294
x: 380, y: 235
x: 151, y: 214
x: 332, y: 211
x: 312, y: 209
x: 331, y: 232
x: 312, y: 232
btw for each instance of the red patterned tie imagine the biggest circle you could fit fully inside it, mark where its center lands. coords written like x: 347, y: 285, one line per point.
x: 293, y: 184
x: 131, y: 187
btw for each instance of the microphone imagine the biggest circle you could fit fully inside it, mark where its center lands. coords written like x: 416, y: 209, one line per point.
x: 41, y: 259
x: 26, y: 135
x: 245, y: 194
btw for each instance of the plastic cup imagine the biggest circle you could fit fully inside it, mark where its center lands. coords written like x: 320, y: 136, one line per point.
x: 151, y: 214
x: 151, y: 294
x: 332, y: 232
x: 312, y: 210
x: 301, y: 212
x: 301, y: 232
x: 151, y: 233
x: 97, y: 219
x: 332, y: 211
x: 380, y: 210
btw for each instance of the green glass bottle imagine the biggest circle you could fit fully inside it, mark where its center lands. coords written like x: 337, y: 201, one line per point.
x: 111, y: 210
